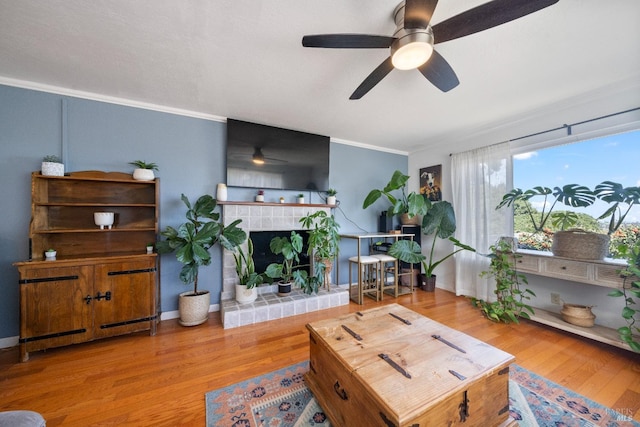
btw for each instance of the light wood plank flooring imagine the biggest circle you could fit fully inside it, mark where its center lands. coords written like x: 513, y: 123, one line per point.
x: 139, y: 380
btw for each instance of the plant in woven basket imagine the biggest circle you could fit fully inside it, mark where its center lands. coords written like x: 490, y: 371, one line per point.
x: 510, y: 298
x: 630, y: 290
x: 573, y: 195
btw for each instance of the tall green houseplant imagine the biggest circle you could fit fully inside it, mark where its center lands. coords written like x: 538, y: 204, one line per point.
x: 439, y: 221
x: 412, y: 204
x: 510, y: 303
x: 192, y: 240
x: 630, y: 292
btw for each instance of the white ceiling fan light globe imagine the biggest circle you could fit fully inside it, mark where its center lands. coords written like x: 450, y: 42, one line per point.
x: 411, y: 55
x: 412, y: 50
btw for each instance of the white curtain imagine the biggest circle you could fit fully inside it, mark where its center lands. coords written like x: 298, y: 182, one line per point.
x: 479, y: 179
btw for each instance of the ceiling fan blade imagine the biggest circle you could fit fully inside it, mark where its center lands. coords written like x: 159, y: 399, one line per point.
x: 438, y: 71
x: 418, y: 13
x: 485, y: 16
x: 373, y: 79
x: 347, y: 41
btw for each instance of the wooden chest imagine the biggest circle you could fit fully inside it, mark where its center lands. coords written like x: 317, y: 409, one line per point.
x: 383, y: 367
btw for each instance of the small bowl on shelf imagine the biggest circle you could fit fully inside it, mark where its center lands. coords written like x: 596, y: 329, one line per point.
x: 50, y: 255
x: 103, y: 219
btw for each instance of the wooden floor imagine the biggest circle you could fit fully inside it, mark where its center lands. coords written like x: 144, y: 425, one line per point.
x: 139, y: 380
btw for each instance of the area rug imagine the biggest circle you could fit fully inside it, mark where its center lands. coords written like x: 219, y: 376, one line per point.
x: 281, y: 399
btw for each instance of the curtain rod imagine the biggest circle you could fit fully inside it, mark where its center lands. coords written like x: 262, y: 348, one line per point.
x: 567, y: 126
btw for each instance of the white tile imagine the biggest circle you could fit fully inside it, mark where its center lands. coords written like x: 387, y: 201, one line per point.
x: 275, y: 311
x: 231, y: 320
x: 246, y: 317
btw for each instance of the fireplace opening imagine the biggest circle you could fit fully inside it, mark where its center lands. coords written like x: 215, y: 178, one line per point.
x: 262, y: 255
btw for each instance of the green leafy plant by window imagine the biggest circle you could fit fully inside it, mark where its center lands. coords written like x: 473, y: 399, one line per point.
x: 510, y: 303
x: 630, y: 290
x: 412, y: 204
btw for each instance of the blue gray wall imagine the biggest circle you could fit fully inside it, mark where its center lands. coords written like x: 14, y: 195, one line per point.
x: 190, y: 152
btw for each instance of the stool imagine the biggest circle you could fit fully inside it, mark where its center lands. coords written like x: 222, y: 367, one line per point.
x: 367, y: 283
x: 388, y: 268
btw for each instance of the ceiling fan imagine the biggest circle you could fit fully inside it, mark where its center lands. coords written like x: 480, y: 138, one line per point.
x: 412, y: 43
x: 258, y: 158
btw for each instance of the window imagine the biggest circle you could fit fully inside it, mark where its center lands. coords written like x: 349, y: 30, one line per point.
x: 610, y: 158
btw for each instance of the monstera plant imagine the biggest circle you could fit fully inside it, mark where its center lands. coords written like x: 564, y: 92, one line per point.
x: 439, y: 221
x: 409, y: 205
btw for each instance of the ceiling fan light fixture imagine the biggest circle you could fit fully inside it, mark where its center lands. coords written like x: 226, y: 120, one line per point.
x: 258, y: 157
x: 412, y: 50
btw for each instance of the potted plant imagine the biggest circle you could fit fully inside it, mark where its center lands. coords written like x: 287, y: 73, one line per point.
x: 324, y: 242
x: 630, y: 289
x: 50, y: 254
x: 439, y: 221
x: 408, y: 206
x: 52, y: 166
x: 248, y: 279
x: 331, y: 196
x: 260, y: 196
x: 150, y: 246
x: 290, y: 248
x: 510, y: 304
x: 191, y: 243
x: 301, y: 198
x: 143, y: 170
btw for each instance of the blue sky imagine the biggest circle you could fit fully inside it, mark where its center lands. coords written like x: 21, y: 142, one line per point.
x: 613, y: 158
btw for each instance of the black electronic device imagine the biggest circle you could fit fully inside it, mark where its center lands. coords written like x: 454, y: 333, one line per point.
x: 260, y: 156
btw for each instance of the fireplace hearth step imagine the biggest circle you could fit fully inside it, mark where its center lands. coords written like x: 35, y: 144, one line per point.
x: 269, y: 306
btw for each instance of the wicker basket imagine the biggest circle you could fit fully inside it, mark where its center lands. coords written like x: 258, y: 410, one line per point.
x: 580, y: 244
x: 579, y: 315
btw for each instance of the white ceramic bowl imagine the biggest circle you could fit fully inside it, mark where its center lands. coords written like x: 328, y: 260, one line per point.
x: 103, y: 219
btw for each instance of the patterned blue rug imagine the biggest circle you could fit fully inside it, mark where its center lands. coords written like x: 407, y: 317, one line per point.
x: 281, y: 399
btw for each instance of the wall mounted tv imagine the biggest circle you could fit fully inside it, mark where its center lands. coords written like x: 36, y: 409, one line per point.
x: 291, y: 160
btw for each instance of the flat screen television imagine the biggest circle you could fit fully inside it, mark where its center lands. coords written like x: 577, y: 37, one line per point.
x: 261, y: 156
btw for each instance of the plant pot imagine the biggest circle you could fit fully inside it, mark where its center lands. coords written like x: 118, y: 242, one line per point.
x: 194, y: 309
x: 52, y: 169
x: 221, y: 192
x: 244, y: 295
x: 50, y: 255
x: 140, y: 174
x: 284, y: 289
x: 580, y: 244
x: 331, y: 200
x: 427, y: 283
x: 301, y: 200
x: 579, y: 315
x: 405, y: 220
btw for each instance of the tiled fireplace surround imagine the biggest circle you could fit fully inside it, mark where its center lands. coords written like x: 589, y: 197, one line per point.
x: 268, y: 306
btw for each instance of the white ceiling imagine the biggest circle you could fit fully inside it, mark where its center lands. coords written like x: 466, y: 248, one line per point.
x: 244, y: 59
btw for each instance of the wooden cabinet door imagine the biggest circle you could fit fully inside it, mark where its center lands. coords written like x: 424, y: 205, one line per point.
x: 124, y: 297
x: 54, y: 308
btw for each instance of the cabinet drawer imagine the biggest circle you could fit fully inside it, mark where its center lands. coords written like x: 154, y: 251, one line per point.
x: 607, y: 275
x: 526, y: 263
x: 570, y: 270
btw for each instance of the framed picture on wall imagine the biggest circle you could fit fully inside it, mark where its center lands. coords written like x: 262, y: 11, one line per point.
x: 431, y: 182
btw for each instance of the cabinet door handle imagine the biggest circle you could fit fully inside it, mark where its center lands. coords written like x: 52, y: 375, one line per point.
x: 87, y: 299
x: 106, y: 296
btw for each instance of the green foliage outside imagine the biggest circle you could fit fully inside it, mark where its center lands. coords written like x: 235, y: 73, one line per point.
x: 630, y: 292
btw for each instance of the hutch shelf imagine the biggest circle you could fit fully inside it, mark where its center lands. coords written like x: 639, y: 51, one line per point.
x: 102, y: 282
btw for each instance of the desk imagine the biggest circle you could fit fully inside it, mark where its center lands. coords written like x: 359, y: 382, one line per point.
x: 370, y: 237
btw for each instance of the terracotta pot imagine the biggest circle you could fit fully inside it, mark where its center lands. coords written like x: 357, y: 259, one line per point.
x: 194, y: 309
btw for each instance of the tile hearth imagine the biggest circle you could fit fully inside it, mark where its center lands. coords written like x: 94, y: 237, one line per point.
x: 269, y: 306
